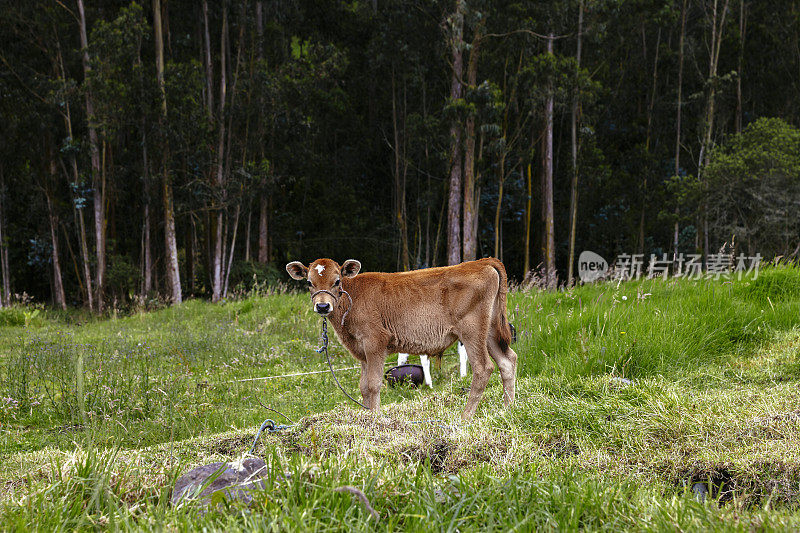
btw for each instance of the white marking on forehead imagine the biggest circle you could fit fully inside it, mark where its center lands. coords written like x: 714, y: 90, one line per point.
x: 320, y: 269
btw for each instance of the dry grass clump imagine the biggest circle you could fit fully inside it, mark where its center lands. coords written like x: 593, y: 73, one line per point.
x: 401, y: 434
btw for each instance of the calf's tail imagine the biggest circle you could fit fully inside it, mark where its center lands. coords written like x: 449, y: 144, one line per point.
x: 503, y: 331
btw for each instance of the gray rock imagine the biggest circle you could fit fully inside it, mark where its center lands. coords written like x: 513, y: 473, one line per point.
x: 700, y: 491
x: 235, y: 480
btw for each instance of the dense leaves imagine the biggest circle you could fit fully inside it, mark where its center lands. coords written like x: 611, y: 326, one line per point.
x: 295, y: 130
x: 754, y: 187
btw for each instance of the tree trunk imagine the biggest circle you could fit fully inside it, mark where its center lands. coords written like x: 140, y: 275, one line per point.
x: 147, y: 257
x: 147, y: 262
x: 454, y: 196
x: 427, y: 263
x: 650, y: 106
x: 263, y: 231
x: 263, y: 217
x: 507, y: 148
x: 435, y: 260
x: 78, y: 211
x: 100, y: 287
x: 247, y: 231
x: 501, y: 169
x: 428, y: 228
x: 6, y: 274
x: 470, y: 209
x: 173, y: 272
x: 476, y: 218
x: 194, y: 244
x: 59, y: 299
x: 74, y: 259
x: 209, y: 66
x: 399, y: 182
x: 527, y: 248
x: 405, y: 255
x: 454, y: 204
x: 547, y: 193
x: 228, y: 150
x: 5, y: 297
x: 233, y: 246
x: 97, y: 186
x: 217, y: 258
x: 84, y: 243
x: 189, y: 253
x: 573, y: 190
x: 676, y: 229
x: 233, y: 92
x: 705, y: 148
x: 742, y: 29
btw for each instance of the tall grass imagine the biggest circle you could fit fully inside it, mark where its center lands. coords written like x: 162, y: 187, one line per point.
x: 87, y: 494
x: 649, y: 327
x: 713, y: 369
x: 188, y: 359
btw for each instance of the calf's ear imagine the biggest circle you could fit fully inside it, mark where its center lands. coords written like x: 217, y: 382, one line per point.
x: 297, y: 270
x: 350, y: 268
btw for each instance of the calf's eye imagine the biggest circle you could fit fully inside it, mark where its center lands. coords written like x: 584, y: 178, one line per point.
x: 336, y: 283
x: 309, y: 283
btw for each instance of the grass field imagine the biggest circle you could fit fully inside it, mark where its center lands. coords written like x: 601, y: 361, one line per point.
x: 627, y: 396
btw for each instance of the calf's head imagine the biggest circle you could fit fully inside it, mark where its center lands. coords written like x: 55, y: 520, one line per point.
x: 324, y: 278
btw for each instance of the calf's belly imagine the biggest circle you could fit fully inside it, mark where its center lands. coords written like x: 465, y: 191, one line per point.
x: 421, y: 342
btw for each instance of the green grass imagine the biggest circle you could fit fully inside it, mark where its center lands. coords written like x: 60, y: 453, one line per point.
x: 713, y: 397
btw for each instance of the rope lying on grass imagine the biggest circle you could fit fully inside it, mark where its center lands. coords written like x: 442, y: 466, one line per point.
x: 270, y: 426
x: 289, y: 375
x: 324, y: 348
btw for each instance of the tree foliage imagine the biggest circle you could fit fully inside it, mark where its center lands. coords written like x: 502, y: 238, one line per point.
x: 754, y: 187
x: 330, y: 134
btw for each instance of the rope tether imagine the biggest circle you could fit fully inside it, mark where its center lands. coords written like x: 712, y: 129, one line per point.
x: 270, y: 426
x: 324, y: 348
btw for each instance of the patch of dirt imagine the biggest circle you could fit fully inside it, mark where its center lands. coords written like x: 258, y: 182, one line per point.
x: 717, y: 480
x: 559, y: 447
x: 232, y: 446
x: 12, y: 486
x: 486, y: 450
x: 749, y: 485
x: 436, y: 453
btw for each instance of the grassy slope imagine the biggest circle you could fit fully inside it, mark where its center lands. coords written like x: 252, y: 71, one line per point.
x: 714, y: 397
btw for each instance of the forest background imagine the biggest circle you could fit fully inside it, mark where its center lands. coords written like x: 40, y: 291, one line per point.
x: 152, y: 152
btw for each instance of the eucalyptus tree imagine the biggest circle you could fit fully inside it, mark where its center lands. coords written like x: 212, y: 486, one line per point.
x: 455, y: 39
x: 98, y: 177
x: 173, y: 272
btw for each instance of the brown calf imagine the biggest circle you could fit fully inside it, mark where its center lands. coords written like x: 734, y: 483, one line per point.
x: 422, y: 312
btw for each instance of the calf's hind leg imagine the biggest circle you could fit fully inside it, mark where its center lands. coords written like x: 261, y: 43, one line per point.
x: 507, y: 364
x: 482, y: 367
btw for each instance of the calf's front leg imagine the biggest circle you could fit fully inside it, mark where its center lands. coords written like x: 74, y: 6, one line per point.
x: 371, y: 380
